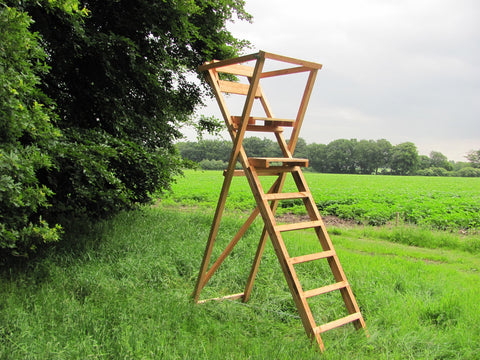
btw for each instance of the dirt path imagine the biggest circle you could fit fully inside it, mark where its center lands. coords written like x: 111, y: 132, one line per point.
x: 329, y: 220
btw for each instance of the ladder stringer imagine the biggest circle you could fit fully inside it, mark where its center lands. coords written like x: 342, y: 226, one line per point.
x: 236, y: 153
x: 287, y: 263
x: 276, y: 188
x: 327, y: 245
x: 282, y: 254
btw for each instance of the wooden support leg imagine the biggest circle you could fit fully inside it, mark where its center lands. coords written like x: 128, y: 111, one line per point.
x: 276, y: 188
x: 214, y: 229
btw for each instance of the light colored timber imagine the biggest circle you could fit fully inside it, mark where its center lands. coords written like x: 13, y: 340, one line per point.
x: 286, y: 196
x: 222, y: 63
x: 231, y: 87
x: 267, y: 202
x: 312, y: 257
x: 299, y: 226
x: 325, y: 289
x: 252, y: 119
x: 287, y: 59
x: 262, y: 128
x: 337, y: 323
x: 228, y: 297
x: 264, y: 162
x: 294, y: 70
x: 237, y: 69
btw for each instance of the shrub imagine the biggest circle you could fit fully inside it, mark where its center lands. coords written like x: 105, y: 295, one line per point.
x: 434, y: 171
x: 213, y: 164
x: 26, y: 135
x: 468, y: 172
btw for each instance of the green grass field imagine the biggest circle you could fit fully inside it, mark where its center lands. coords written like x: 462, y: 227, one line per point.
x: 121, y: 290
x: 445, y: 203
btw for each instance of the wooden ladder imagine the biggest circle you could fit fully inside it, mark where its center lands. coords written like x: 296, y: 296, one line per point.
x: 267, y: 202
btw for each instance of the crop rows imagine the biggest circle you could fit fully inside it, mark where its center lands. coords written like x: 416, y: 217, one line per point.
x: 438, y: 202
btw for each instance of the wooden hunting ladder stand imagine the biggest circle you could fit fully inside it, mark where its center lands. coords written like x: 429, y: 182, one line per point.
x: 267, y: 202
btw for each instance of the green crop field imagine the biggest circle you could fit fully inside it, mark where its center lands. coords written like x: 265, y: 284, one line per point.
x: 445, y: 203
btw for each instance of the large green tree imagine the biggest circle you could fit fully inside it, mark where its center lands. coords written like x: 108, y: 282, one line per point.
x: 437, y: 159
x: 317, y: 157
x: 474, y: 158
x: 404, y: 159
x: 121, y: 76
x: 367, y: 156
x: 341, y: 156
x: 385, y: 150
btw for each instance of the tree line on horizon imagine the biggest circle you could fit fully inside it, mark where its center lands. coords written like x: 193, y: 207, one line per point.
x: 341, y: 156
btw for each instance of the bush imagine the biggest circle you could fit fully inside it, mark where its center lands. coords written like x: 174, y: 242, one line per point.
x: 433, y: 171
x: 213, y: 164
x: 26, y: 135
x: 468, y: 172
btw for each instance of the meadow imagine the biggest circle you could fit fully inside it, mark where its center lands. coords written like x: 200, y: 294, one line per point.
x: 121, y: 289
x: 445, y: 203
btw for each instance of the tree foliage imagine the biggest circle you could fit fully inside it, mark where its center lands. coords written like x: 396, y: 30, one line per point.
x: 474, y: 158
x: 404, y: 159
x: 120, y: 79
x: 26, y: 135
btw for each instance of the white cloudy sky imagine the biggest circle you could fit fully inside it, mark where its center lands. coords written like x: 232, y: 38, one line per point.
x: 403, y: 70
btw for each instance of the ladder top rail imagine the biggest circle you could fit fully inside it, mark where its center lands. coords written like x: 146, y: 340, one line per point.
x: 290, y: 60
x: 243, y: 70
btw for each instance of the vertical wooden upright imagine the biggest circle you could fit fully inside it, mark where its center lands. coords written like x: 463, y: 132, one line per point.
x: 267, y: 201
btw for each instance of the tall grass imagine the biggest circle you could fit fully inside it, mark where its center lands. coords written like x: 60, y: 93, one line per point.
x: 122, y: 291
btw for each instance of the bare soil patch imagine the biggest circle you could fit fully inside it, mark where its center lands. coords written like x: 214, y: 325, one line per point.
x: 329, y: 220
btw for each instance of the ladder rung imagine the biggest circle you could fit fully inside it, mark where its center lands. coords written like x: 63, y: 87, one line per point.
x: 286, y: 196
x: 264, y: 162
x: 312, y: 257
x: 236, y: 88
x: 237, y: 69
x: 261, y: 128
x: 299, y: 226
x: 325, y: 289
x: 235, y: 172
x: 264, y: 128
x: 253, y: 119
x: 336, y: 323
x: 272, y: 170
x: 228, y: 297
x: 284, y: 121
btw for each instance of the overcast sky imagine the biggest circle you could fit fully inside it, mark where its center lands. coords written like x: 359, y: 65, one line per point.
x: 403, y: 70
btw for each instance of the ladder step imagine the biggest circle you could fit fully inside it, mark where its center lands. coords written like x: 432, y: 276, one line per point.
x: 286, y: 196
x: 271, y: 171
x: 236, y: 88
x: 237, y: 69
x: 325, y: 289
x: 268, y: 120
x: 299, y: 226
x: 312, y: 257
x: 265, y: 162
x: 276, y: 121
x: 337, y: 323
x: 264, y: 128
